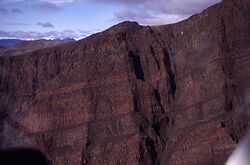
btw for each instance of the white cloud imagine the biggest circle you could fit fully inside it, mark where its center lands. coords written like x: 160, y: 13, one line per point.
x: 179, y: 6
x: 159, y: 12
x: 45, y: 24
x: 58, y: 1
x: 144, y: 18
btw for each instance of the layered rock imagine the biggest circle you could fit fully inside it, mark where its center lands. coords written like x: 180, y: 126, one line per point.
x: 172, y: 94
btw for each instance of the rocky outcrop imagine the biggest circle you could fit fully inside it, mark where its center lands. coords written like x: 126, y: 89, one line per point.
x: 172, y: 94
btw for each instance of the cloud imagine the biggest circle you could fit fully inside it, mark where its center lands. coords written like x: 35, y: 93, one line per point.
x: 166, y: 6
x: 58, y: 1
x: 179, y: 6
x: 122, y: 2
x: 52, y: 5
x: 48, y: 6
x: 145, y: 18
x: 158, y: 12
x: 44, y: 35
x: 17, y: 24
x: 3, y: 11
x: 128, y: 14
x: 16, y: 10
x: 14, y: 1
x: 146, y: 12
x: 45, y: 24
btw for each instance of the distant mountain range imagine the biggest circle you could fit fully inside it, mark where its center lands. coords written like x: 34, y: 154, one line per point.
x: 11, y: 42
x: 10, y: 47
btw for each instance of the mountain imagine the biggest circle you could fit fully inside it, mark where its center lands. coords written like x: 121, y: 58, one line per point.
x: 12, y: 42
x: 9, y: 42
x: 171, y: 94
x: 22, y: 46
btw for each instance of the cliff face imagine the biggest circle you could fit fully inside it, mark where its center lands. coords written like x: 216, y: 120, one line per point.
x: 135, y: 95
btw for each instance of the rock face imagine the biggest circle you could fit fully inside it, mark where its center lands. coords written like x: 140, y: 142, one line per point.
x: 176, y: 94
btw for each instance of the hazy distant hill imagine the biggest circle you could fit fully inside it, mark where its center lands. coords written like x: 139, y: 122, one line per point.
x: 12, y: 42
x: 17, y: 47
x: 9, y: 42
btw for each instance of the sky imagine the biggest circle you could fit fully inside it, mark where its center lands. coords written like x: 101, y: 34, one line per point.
x: 51, y: 19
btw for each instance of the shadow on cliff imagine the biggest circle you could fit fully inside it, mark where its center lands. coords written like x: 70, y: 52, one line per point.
x: 23, y: 156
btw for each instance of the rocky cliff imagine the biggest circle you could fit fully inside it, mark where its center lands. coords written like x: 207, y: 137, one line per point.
x: 175, y: 94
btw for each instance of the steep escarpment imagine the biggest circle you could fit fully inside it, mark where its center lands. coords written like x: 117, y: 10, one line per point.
x: 172, y: 94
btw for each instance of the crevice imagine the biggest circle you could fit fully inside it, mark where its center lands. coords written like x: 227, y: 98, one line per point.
x: 159, y: 118
x: 151, y: 148
x: 156, y: 127
x: 228, y: 104
x: 1, y: 62
x: 3, y: 116
x: 5, y: 88
x: 35, y: 83
x: 144, y: 124
x: 159, y: 122
x: 136, y: 64
x: 85, y: 151
x: 222, y: 124
x: 158, y: 99
x: 230, y: 90
x: 85, y: 155
x: 57, y: 57
x: 172, y: 122
x: 56, y: 63
x: 121, y: 36
x: 48, y: 143
x: 86, y: 148
x: 223, y: 35
x: 228, y: 63
x: 171, y: 76
x: 234, y: 137
x: 155, y: 58
x: 141, y: 153
x: 236, y: 128
x: 136, y: 101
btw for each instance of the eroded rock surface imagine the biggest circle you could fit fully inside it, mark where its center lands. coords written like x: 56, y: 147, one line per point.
x: 135, y: 95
